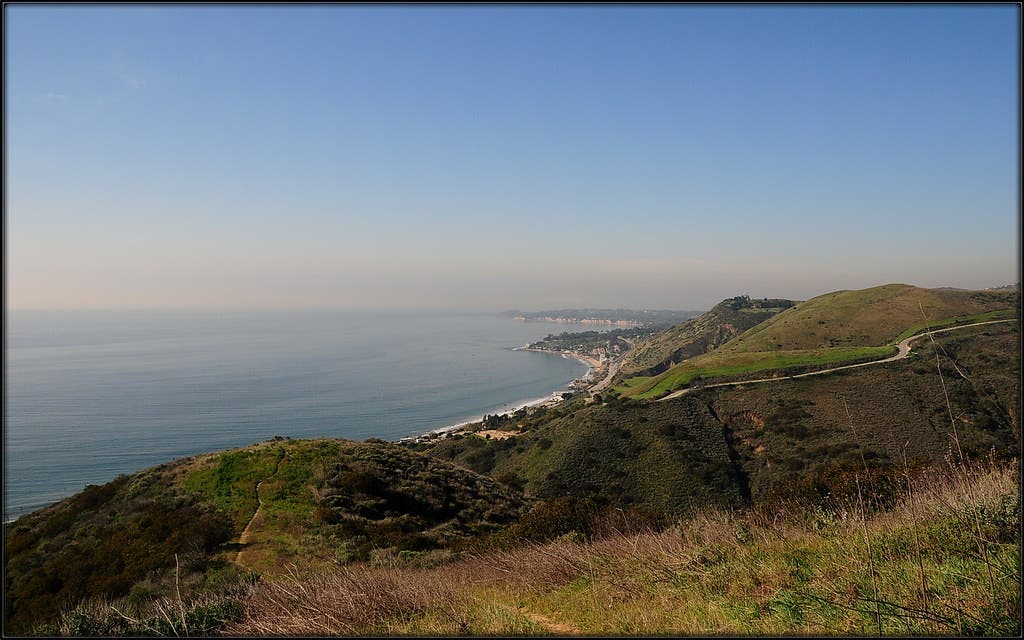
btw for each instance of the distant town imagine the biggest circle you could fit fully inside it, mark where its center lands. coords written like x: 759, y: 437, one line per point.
x: 648, y: 318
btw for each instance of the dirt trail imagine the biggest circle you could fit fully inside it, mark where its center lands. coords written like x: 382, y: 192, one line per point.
x: 904, y: 351
x: 556, y: 628
x: 246, y: 537
x: 247, y: 531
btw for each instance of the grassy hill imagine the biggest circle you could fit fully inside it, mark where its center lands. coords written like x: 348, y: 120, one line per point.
x: 179, y: 526
x: 942, y: 561
x: 842, y: 327
x: 736, y: 446
x: 698, y: 335
x: 866, y: 317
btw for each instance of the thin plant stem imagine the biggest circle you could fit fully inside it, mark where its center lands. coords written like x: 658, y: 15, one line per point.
x: 980, y: 538
x: 871, y: 560
x: 917, y: 537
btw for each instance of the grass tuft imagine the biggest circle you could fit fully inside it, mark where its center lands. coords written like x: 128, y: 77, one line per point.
x: 718, y: 572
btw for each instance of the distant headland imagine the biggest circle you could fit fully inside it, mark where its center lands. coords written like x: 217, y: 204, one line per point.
x: 613, y: 317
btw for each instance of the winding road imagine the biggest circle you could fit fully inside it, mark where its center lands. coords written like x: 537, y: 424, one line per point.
x: 904, y: 351
x: 613, y: 368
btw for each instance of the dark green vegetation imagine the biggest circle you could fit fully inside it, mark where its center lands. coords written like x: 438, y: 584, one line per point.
x: 842, y: 327
x: 999, y: 314
x: 621, y: 455
x: 942, y: 561
x: 177, y: 526
x: 586, y: 341
x: 699, y: 335
x: 774, y: 442
x: 380, y: 496
x: 118, y: 539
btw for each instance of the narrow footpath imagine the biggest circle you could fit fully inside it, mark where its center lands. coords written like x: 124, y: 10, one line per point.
x: 245, y: 539
x: 552, y: 626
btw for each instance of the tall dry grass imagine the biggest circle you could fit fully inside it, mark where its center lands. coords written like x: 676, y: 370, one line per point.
x: 719, y: 572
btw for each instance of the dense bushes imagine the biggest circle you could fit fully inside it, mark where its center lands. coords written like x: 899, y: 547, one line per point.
x: 379, y: 495
x: 585, y: 517
x: 49, y: 569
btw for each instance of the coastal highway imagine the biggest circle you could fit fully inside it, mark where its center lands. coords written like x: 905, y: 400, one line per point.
x: 904, y: 351
x: 613, y: 368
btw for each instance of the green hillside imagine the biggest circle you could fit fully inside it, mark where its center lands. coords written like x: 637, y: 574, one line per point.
x: 733, y: 446
x: 698, y: 335
x: 913, y: 569
x: 842, y: 327
x: 323, y: 502
x: 866, y: 317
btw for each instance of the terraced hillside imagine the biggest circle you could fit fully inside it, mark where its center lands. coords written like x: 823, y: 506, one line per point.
x: 699, y: 335
x: 842, y: 327
x: 286, y: 505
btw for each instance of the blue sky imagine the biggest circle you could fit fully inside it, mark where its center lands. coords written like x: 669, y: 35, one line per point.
x: 505, y: 156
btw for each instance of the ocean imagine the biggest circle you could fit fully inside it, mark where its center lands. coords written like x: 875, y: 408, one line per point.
x: 91, y: 395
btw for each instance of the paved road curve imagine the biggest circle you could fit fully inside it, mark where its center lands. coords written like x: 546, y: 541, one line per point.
x: 904, y: 351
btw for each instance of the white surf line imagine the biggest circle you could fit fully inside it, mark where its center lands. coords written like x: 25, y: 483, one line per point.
x: 552, y: 397
x: 903, y: 346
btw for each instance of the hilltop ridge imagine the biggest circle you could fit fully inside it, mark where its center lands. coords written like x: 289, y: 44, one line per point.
x: 847, y: 327
x: 304, y: 504
x: 867, y: 317
x: 699, y: 335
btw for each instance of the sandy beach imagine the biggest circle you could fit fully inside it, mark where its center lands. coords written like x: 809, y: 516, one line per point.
x: 591, y: 362
x: 584, y: 382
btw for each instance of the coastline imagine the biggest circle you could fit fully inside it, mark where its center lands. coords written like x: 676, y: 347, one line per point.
x: 592, y: 363
x: 404, y: 385
x: 584, y: 382
x: 579, y: 384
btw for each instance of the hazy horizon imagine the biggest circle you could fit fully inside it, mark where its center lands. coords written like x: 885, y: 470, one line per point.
x: 449, y: 309
x: 505, y: 157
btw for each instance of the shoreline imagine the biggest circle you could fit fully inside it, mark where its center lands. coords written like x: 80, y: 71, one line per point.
x: 555, y: 397
x: 592, y: 363
x: 585, y: 381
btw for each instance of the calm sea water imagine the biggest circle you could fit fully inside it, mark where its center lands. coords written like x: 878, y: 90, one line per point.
x: 91, y: 395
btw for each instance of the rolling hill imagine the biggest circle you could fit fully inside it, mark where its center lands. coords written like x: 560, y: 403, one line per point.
x: 867, y: 317
x: 698, y: 335
x: 734, y: 446
x: 201, y: 523
x: 836, y: 328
